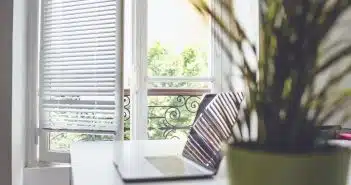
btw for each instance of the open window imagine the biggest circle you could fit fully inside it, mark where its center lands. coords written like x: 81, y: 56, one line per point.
x: 170, y: 60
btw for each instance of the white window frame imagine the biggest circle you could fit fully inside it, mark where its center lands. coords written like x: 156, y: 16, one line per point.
x: 37, y: 138
x: 139, y: 89
x: 32, y: 83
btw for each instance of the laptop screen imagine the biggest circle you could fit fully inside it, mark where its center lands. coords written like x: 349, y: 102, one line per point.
x: 212, y: 127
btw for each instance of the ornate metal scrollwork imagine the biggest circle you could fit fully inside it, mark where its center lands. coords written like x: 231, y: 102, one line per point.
x: 177, y: 116
x: 126, y: 108
x: 166, y: 120
x: 192, y: 103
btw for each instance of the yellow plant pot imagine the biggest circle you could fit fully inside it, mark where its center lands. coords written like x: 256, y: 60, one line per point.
x: 246, y: 167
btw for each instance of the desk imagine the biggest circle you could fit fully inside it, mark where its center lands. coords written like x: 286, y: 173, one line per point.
x: 92, y: 164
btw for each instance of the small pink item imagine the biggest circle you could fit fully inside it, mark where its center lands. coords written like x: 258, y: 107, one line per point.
x: 345, y: 136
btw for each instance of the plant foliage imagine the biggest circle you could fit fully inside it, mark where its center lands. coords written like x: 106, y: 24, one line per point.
x: 286, y: 99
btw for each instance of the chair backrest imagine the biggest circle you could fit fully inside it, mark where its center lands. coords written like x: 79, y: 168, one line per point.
x: 206, y: 99
x: 212, y: 126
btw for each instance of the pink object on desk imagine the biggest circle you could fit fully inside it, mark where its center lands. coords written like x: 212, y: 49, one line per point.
x: 345, y: 136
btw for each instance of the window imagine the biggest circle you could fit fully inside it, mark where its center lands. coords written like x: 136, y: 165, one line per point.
x: 78, y: 65
x: 168, y: 65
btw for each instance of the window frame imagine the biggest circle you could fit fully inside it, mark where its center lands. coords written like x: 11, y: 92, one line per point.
x: 32, y: 83
x: 139, y: 92
x: 38, y: 138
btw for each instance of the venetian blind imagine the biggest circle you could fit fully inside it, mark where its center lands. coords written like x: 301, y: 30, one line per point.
x: 79, y: 64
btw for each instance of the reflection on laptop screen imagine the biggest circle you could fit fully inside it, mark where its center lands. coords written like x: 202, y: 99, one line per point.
x: 212, y: 127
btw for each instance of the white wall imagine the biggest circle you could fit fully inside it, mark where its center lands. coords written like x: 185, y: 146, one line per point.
x: 6, y: 90
x: 18, y: 91
x: 247, y: 14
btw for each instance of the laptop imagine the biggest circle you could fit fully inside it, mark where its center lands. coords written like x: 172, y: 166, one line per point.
x: 201, y: 155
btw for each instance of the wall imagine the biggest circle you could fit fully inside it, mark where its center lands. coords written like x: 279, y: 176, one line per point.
x: 5, y: 93
x: 247, y: 14
x: 18, y: 91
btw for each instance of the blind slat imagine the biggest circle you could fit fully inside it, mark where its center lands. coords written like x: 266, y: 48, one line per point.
x: 81, y: 58
x: 74, y: 77
x: 76, y: 43
x: 76, y: 72
x: 77, y: 94
x: 80, y: 67
x: 93, y: 12
x: 51, y: 2
x: 77, y: 6
x: 80, y: 32
x: 52, y: 14
x: 79, y: 63
x: 78, y: 89
x: 82, y: 53
x: 78, y: 102
x: 77, y: 126
x: 80, y: 25
x: 79, y: 106
x: 86, y: 80
x: 88, y: 85
x: 81, y: 45
x: 79, y: 110
x: 82, y: 28
x: 87, y: 120
x: 108, y: 34
x: 79, y: 20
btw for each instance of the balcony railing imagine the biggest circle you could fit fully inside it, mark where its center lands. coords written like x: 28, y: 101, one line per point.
x: 170, y: 111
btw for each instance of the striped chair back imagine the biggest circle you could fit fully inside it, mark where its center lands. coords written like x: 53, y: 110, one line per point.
x: 212, y: 127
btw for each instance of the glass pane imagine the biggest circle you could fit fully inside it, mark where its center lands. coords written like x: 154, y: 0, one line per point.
x: 171, y: 116
x: 61, y: 141
x: 178, y: 39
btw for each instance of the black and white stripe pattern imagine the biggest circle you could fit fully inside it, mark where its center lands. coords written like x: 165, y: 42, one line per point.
x: 212, y: 126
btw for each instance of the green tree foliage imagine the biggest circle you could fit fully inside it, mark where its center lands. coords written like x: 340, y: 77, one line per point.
x: 191, y: 62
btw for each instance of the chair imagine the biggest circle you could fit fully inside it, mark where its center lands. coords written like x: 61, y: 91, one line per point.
x: 213, y: 125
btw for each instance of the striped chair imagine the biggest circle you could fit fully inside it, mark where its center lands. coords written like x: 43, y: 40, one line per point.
x: 213, y: 124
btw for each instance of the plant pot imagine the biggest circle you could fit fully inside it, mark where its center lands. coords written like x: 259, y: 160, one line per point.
x: 249, y: 167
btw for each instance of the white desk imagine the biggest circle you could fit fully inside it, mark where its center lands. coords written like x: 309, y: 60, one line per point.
x: 92, y: 164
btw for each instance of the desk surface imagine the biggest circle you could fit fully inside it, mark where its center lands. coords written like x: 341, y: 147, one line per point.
x: 92, y: 164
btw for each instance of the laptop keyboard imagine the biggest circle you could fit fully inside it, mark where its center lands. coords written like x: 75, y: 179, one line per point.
x: 172, y: 165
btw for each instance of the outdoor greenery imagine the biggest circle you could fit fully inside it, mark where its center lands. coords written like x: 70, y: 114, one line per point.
x: 190, y: 62
x: 286, y: 99
x: 164, y: 111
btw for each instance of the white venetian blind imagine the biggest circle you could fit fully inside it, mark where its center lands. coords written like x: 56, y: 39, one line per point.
x: 78, y: 68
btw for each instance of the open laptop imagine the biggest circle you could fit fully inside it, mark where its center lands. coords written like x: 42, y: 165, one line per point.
x: 201, y: 155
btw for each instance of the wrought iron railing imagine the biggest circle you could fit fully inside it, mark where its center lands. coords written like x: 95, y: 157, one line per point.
x: 171, y: 112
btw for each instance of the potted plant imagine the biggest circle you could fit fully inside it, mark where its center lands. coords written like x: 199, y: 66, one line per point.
x: 286, y: 102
